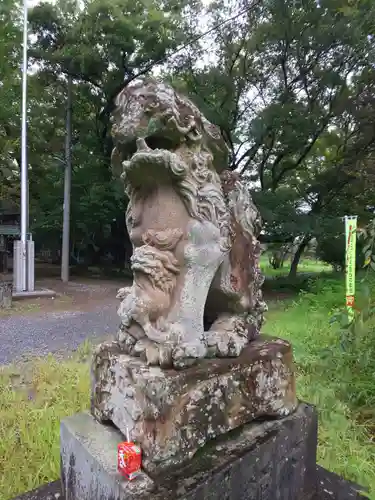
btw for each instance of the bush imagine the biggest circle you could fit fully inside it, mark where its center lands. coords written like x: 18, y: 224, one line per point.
x: 331, y: 249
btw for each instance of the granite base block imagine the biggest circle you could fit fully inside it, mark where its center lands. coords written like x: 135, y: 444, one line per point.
x: 274, y: 459
x: 172, y: 414
x: 330, y: 487
x: 333, y: 487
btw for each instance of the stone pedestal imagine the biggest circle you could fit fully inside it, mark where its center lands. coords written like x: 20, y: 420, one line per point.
x: 6, y: 288
x: 172, y: 414
x: 273, y: 459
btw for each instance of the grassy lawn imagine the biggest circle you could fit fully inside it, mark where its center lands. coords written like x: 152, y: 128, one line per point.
x: 339, y: 383
x: 34, y: 398
x: 305, y: 266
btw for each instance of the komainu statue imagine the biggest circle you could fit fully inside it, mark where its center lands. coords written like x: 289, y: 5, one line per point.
x: 187, y: 365
x: 197, y: 284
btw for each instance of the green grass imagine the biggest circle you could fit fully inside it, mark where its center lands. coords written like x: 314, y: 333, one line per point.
x: 341, y: 383
x: 33, y: 400
x: 305, y: 266
x: 34, y: 397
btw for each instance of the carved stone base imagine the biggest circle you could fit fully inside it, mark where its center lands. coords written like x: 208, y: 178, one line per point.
x: 171, y: 414
x: 264, y: 460
x: 6, y: 288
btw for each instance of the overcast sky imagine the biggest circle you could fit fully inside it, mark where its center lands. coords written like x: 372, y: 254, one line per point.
x: 32, y: 3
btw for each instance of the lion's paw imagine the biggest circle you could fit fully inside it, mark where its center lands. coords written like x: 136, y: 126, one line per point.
x: 188, y: 354
x: 225, y: 344
x: 126, y: 341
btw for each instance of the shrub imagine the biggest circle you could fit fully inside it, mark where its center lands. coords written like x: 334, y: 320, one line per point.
x: 331, y: 249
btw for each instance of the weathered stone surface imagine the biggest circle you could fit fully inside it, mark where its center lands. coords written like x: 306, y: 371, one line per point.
x: 264, y: 460
x: 269, y: 460
x: 193, y: 227
x: 49, y: 491
x: 330, y: 486
x: 6, y: 288
x: 89, y: 463
x: 172, y: 414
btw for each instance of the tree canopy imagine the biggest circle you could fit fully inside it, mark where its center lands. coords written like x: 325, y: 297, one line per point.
x: 290, y: 84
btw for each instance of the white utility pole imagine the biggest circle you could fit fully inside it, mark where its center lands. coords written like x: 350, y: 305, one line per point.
x: 24, y: 177
x: 65, y: 252
x: 24, y: 250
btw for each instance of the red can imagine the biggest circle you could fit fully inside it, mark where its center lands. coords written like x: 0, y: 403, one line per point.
x: 129, y: 459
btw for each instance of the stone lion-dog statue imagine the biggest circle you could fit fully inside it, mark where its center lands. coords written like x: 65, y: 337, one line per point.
x: 196, y: 289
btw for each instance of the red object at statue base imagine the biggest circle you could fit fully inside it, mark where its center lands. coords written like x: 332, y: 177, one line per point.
x: 129, y: 459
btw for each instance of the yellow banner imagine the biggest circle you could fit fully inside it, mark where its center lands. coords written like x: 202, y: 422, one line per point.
x: 350, y: 257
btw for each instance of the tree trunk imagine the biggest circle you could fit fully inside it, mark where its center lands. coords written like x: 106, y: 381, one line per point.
x: 297, y: 256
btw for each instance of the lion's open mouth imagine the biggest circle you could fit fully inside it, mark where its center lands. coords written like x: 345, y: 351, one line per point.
x: 148, y: 163
x: 144, y: 153
x: 152, y: 142
x: 158, y: 142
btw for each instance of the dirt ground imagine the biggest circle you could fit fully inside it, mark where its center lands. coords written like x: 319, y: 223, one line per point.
x: 79, y: 294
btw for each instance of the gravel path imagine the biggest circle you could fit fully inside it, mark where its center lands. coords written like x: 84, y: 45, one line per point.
x: 38, y: 335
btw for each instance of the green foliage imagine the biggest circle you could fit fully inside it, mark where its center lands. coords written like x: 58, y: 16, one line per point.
x: 101, y: 44
x: 331, y: 249
x: 338, y: 381
x: 351, y: 346
x: 104, y: 43
x: 281, y: 214
x: 290, y: 85
x: 367, y: 235
x: 356, y: 338
x: 280, y: 81
x: 10, y: 87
